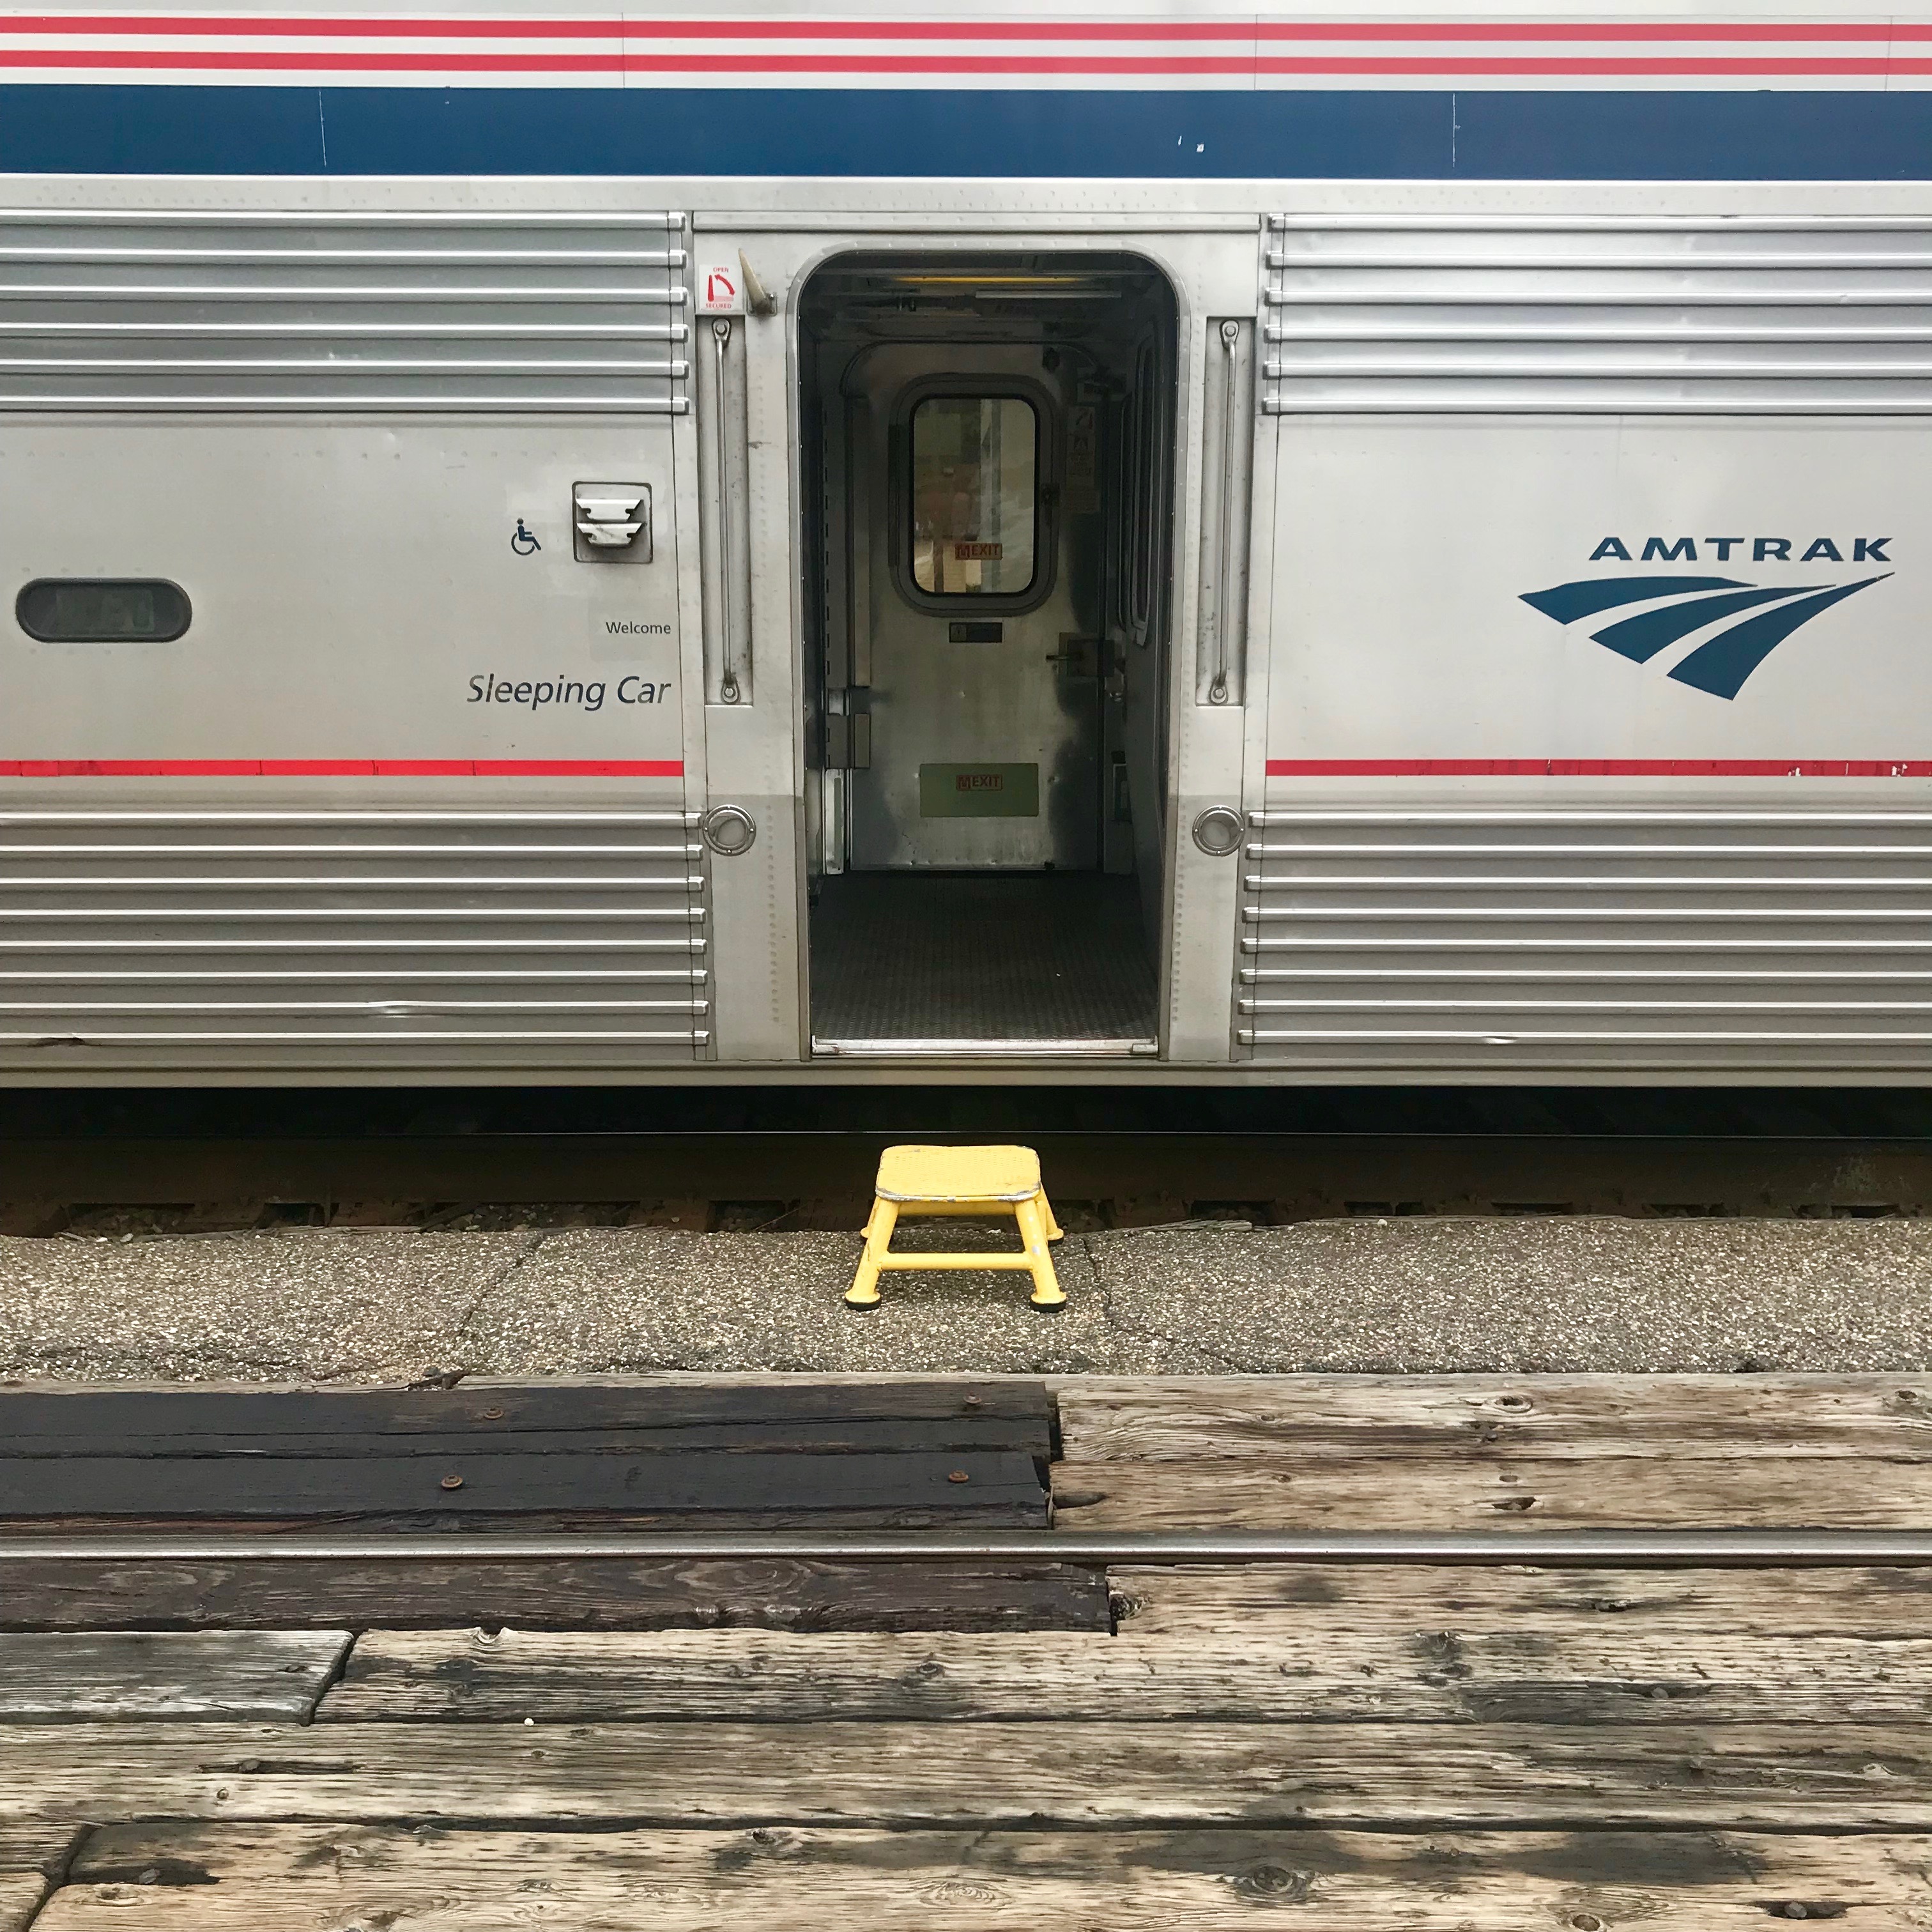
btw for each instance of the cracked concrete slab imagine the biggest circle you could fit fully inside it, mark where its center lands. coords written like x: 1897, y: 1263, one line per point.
x: 1405, y: 1296
x: 1582, y: 1293
x: 653, y: 1298
x: 360, y: 1304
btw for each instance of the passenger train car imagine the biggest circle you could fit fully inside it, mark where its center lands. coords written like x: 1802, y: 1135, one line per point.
x: 1184, y: 544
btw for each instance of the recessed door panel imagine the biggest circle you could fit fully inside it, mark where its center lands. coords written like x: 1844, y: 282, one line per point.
x: 983, y: 697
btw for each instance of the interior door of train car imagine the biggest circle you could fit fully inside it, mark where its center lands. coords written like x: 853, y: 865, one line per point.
x: 983, y: 697
x: 987, y: 872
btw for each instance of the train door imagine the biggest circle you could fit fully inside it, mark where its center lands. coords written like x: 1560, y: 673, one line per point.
x: 986, y: 790
x: 973, y: 644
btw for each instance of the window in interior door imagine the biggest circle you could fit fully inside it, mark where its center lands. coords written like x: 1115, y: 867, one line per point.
x: 975, y: 495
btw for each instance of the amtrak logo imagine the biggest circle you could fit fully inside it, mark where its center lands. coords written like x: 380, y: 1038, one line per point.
x: 1746, y: 621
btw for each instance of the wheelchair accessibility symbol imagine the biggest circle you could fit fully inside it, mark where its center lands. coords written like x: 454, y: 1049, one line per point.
x: 523, y: 542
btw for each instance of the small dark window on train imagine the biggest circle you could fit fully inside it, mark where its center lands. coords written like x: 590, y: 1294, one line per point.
x: 102, y: 611
x: 975, y: 495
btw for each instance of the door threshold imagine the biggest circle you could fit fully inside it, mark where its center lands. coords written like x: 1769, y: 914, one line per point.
x: 985, y: 1049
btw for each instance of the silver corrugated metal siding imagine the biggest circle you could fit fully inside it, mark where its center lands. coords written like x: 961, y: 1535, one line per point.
x: 239, y: 311
x: 1535, y: 313
x: 1623, y: 939
x: 367, y: 938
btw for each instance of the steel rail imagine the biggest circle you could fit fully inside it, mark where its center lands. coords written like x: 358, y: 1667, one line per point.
x: 1566, y: 1549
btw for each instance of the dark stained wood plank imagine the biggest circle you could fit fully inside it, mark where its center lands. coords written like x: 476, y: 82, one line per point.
x: 813, y: 1437
x: 1656, y: 1775
x: 302, y: 1878
x: 630, y: 1594
x: 530, y: 1523
x: 673, y: 1413
x: 976, y: 1485
x: 68, y: 1678
x: 1323, y: 1672
x: 1211, y: 1602
x: 1323, y: 1418
x: 1427, y: 1493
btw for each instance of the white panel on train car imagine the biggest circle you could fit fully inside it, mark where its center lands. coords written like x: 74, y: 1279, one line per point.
x: 1593, y: 744
x: 1722, y: 589
x: 401, y: 591
x: 343, y: 663
x: 1597, y: 692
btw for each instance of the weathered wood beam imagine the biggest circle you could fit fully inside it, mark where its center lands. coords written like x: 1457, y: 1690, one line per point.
x: 71, y: 1676
x: 214, y: 1878
x: 1255, y: 1599
x: 1321, y: 1671
x: 1426, y: 1493
x: 1814, y: 1776
x: 1541, y: 1417
x: 636, y: 1593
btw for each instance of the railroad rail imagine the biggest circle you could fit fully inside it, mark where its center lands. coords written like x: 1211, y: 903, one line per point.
x: 1538, y: 1550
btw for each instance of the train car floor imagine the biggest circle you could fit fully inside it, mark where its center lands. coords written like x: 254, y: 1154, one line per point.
x: 271, y: 1746
x: 928, y: 955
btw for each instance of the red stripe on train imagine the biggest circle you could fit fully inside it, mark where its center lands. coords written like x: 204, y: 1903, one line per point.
x: 348, y: 61
x: 351, y: 27
x: 1600, y: 768
x: 341, y: 768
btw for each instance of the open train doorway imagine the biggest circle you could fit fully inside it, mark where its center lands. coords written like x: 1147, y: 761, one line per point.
x: 989, y: 445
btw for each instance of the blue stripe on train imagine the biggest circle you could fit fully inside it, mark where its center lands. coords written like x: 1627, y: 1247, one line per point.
x: 1148, y: 136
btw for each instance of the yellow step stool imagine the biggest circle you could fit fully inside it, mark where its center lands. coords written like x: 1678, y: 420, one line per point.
x: 959, y: 1181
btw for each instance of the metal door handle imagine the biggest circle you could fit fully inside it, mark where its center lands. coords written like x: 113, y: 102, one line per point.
x: 1217, y: 691
x: 728, y: 687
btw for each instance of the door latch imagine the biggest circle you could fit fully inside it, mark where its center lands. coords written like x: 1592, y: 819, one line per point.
x: 1078, y: 657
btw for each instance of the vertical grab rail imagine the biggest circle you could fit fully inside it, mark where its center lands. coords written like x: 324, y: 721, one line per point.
x: 728, y: 687
x: 1217, y: 691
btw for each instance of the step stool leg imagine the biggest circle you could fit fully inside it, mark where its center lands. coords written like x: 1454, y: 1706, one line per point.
x: 864, y: 1292
x: 1046, y: 1289
x: 1055, y: 1232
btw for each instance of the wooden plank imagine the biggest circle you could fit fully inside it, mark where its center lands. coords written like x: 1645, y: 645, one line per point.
x: 20, y: 1896
x: 1539, y: 1417
x: 830, y: 1438
x: 38, y: 1844
x: 308, y: 1878
x: 64, y: 1677
x: 1656, y: 1775
x: 1321, y: 1670
x: 1426, y: 1494
x: 680, y: 1412
x: 1211, y: 1602
x: 954, y: 1485
x: 641, y: 1595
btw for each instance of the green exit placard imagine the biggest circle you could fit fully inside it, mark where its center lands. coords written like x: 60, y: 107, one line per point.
x: 979, y: 791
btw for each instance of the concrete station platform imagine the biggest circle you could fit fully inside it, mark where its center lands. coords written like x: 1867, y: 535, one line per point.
x: 1401, y: 1296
